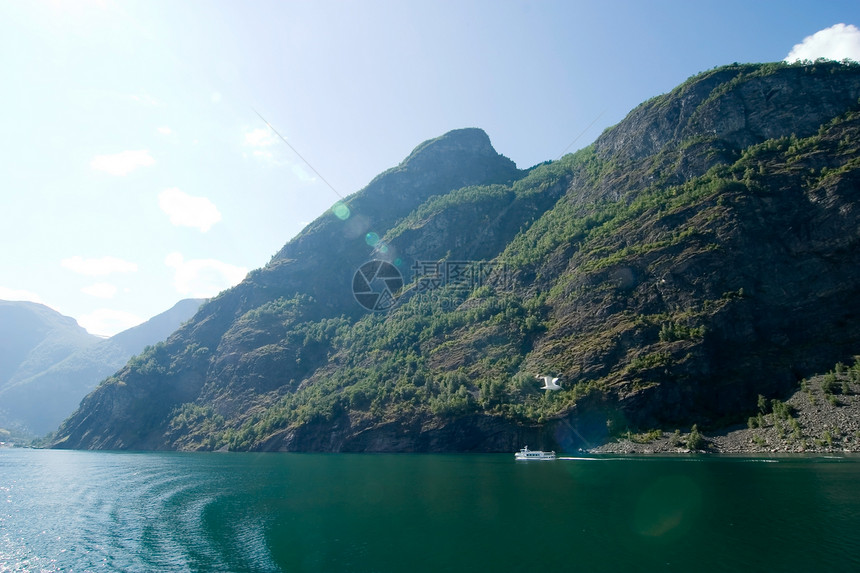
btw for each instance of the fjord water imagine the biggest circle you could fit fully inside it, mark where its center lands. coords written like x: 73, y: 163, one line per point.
x: 95, y: 511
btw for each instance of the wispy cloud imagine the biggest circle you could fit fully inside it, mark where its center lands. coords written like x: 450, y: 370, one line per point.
x: 100, y: 290
x: 260, y: 137
x: 19, y: 295
x: 834, y: 43
x: 122, y: 163
x: 203, y: 278
x: 107, y: 322
x: 186, y: 210
x: 301, y: 173
x: 98, y: 267
x: 164, y: 130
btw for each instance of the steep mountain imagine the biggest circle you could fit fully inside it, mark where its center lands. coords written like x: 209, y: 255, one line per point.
x: 38, y: 402
x: 699, y: 253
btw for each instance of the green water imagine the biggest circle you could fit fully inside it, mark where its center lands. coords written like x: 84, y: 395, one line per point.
x: 88, y: 511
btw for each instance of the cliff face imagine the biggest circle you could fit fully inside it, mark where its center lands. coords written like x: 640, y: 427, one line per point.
x: 737, y: 106
x: 700, y: 253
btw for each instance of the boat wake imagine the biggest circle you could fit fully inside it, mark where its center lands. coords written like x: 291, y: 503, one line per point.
x: 99, y: 512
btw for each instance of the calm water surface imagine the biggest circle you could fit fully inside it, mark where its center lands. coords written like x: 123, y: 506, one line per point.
x: 91, y: 511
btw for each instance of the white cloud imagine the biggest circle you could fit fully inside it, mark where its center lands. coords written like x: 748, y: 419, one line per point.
x: 19, y: 294
x: 122, y: 163
x: 185, y: 210
x: 203, y: 278
x: 107, y: 322
x: 98, y: 267
x: 301, y: 173
x: 164, y: 130
x: 100, y: 290
x: 260, y: 137
x: 834, y: 43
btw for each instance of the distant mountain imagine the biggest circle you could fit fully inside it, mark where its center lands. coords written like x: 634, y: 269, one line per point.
x: 54, y: 374
x: 33, y: 338
x: 703, y: 251
x: 156, y: 329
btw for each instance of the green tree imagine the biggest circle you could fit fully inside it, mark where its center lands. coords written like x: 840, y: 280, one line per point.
x: 695, y: 440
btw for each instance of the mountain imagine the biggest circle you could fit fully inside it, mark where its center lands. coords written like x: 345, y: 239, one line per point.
x: 701, y: 252
x: 159, y: 327
x: 33, y: 337
x: 47, y: 386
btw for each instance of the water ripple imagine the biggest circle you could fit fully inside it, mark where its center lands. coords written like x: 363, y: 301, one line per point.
x: 119, y: 512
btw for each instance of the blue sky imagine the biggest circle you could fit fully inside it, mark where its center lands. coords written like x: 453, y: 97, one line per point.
x: 134, y: 170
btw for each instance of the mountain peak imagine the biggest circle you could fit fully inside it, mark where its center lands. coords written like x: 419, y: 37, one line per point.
x: 456, y: 159
x: 455, y: 150
x: 469, y: 140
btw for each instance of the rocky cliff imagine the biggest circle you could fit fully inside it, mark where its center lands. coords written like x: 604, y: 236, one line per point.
x: 701, y: 252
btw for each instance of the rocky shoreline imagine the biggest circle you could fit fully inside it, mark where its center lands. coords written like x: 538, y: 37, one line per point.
x: 821, y: 416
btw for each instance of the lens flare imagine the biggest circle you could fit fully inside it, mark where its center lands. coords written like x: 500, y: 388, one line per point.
x: 341, y: 211
x: 371, y: 239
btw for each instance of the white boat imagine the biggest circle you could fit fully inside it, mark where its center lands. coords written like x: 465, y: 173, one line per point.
x: 527, y: 454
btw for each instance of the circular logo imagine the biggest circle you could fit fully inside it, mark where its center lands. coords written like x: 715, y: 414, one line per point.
x: 375, y: 285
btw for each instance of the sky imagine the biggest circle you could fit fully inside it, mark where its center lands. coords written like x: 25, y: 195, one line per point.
x: 136, y: 169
